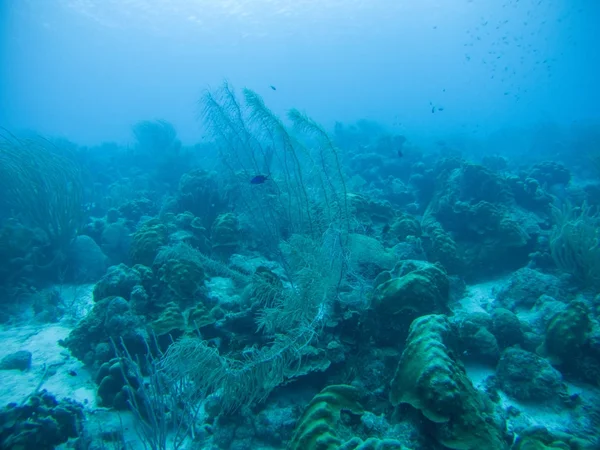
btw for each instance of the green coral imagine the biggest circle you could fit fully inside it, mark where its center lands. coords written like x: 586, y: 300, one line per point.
x: 567, y: 332
x: 476, y: 182
x: 146, y: 242
x: 321, y: 424
x: 170, y: 320
x: 118, y: 281
x: 404, y: 226
x: 183, y: 278
x: 199, y: 194
x: 367, y: 257
x: 441, y: 246
x: 180, y: 273
x: 432, y: 381
x: 476, y: 207
x: 200, y: 316
x: 368, y: 210
x: 412, y: 289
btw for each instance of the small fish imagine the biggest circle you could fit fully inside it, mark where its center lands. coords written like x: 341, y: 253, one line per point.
x: 440, y: 108
x: 400, y: 154
x: 273, y: 87
x: 72, y: 373
x: 259, y: 179
x: 432, y: 109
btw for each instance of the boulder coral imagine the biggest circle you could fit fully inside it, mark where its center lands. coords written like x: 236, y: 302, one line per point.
x: 430, y: 379
x: 327, y: 423
x: 526, y: 376
x: 150, y: 237
x: 412, y: 289
x: 441, y: 247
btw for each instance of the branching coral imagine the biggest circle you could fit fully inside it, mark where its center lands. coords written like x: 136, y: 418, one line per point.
x: 239, y: 382
x: 306, y: 191
x: 301, y: 214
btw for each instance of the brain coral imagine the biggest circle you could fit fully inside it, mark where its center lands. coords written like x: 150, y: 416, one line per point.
x: 432, y: 381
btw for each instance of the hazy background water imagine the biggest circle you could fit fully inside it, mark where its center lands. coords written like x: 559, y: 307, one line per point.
x: 88, y: 69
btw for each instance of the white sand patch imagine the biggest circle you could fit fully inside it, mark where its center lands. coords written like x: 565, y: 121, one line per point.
x: 79, y: 300
x: 478, y: 374
x: 479, y: 297
x: 220, y: 285
x: 553, y: 417
x: 65, y: 376
x: 115, y: 426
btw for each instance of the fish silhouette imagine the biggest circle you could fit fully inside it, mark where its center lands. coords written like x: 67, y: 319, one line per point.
x: 259, y: 179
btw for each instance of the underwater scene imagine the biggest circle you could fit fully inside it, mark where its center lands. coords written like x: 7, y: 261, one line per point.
x: 301, y: 225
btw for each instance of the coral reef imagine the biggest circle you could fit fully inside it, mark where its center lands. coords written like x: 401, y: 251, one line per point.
x: 526, y: 376
x: 432, y: 381
x: 275, y: 286
x: 42, y: 423
x: 411, y: 290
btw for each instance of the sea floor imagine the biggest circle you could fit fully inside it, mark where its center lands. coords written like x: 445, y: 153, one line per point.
x: 55, y: 370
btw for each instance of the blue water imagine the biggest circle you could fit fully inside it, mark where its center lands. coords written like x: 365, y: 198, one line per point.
x: 299, y: 224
